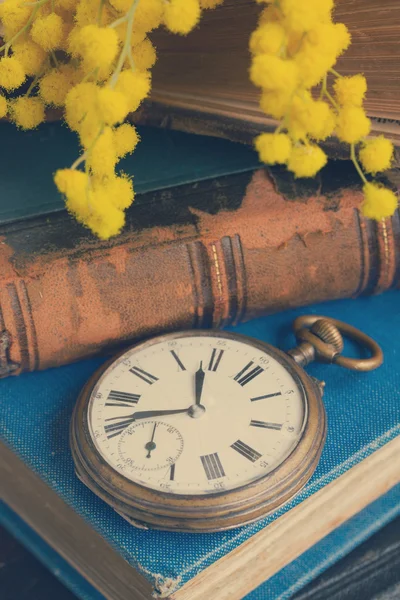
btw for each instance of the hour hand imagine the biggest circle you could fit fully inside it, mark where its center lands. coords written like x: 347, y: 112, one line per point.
x: 198, y: 383
x: 148, y: 414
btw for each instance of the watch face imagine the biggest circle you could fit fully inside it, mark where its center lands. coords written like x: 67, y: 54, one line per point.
x: 197, y: 413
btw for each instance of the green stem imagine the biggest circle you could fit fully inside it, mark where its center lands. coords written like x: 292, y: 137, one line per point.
x: 333, y: 102
x: 100, y: 13
x: 335, y: 73
x: 131, y: 61
x: 323, y: 87
x: 54, y: 58
x: 324, y: 92
x: 35, y: 81
x: 119, y: 21
x: 79, y: 161
x: 7, y: 46
x: 85, y: 155
x: 127, y: 44
x: 89, y: 75
x: 356, y: 163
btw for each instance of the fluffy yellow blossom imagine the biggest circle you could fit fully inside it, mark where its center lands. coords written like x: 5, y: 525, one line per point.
x: 74, y: 185
x: 103, y: 157
x: 149, y: 14
x: 273, y: 73
x: 144, y: 55
x: 73, y: 42
x: 48, y: 31
x: 308, y: 117
x: 135, y: 85
x: 181, y: 16
x: 137, y: 35
x: 270, y: 14
x: 90, y: 128
x: 12, y: 74
x: 55, y: 85
x: 112, y: 105
x: 352, y: 124
x: 276, y: 103
x: 327, y: 38
x: 126, y: 139
x: 86, y: 12
x: 312, y: 65
x: 303, y: 16
x: 3, y: 107
x: 80, y: 101
x: 30, y: 55
x: 323, y: 122
x: 273, y: 148
x: 120, y: 191
x: 307, y: 160
x: 269, y: 38
x: 105, y: 219
x: 27, y: 112
x: 318, y: 52
x: 14, y: 14
x: 98, y: 47
x: 343, y: 37
x: 68, y: 27
x: 376, y: 154
x: 379, y: 202
x: 350, y: 91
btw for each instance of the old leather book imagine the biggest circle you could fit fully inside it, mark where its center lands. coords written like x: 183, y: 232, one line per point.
x: 209, y: 254
x: 201, y: 81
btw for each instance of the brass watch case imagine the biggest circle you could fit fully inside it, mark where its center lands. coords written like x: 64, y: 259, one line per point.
x: 221, y: 510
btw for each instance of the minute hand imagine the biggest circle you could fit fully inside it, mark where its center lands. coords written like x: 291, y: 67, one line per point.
x: 147, y: 414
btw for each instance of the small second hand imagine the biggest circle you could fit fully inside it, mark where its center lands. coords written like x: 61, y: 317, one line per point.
x: 151, y: 445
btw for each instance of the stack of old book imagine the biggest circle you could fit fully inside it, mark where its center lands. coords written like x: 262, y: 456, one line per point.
x: 213, y: 239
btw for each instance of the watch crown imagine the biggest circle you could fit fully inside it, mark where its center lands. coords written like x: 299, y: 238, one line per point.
x: 328, y: 333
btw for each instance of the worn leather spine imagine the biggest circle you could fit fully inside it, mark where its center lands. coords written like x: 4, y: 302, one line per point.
x: 65, y: 300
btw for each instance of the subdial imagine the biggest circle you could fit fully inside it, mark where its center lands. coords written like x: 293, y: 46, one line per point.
x: 150, y: 446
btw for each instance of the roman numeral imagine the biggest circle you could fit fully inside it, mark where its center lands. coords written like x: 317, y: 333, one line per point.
x: 172, y: 473
x: 244, y: 376
x: 266, y: 396
x: 178, y: 360
x: 246, y: 451
x: 215, y: 359
x: 212, y: 466
x: 114, y: 429
x: 147, y: 377
x: 277, y: 426
x: 122, y: 399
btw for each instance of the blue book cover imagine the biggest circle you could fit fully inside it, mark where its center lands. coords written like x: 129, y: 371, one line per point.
x: 363, y: 411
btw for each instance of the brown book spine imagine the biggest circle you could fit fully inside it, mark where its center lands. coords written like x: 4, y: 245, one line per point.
x: 245, y: 251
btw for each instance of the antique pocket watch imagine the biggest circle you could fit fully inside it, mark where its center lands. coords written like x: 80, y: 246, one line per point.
x: 206, y: 430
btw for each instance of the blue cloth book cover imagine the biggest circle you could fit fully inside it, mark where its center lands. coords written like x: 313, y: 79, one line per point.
x: 363, y: 411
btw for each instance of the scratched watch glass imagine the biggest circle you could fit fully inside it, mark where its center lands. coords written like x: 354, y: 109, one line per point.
x: 196, y: 415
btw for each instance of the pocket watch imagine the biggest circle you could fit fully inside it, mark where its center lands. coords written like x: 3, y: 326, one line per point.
x: 207, y: 430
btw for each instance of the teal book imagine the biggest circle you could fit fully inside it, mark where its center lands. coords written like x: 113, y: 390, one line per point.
x: 162, y: 159
x: 354, y: 491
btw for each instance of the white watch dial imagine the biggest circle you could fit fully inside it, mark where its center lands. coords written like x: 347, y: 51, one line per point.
x: 196, y: 414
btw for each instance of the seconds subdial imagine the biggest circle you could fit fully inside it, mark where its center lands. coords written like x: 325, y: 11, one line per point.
x: 150, y: 446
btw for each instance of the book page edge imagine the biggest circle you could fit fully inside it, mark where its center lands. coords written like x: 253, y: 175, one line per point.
x: 46, y: 513
x: 264, y: 554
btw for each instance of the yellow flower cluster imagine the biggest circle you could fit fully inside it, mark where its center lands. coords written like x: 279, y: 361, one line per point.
x: 294, y: 48
x: 91, y: 59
